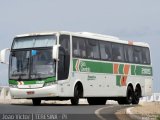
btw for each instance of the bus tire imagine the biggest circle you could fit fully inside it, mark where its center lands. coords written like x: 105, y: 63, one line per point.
x: 36, y: 101
x: 137, y: 95
x: 129, y: 95
x: 75, y: 99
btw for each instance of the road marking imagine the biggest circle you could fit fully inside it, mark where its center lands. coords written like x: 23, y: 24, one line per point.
x: 97, y: 112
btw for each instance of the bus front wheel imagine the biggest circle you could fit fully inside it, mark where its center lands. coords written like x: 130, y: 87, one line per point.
x: 36, y: 101
x: 75, y: 99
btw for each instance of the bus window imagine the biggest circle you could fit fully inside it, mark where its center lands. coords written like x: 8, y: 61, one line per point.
x: 92, y: 49
x: 76, y: 52
x: 145, y: 56
x: 82, y: 48
x: 128, y: 52
x: 117, y: 52
x: 79, y: 48
x: 105, y: 50
x: 137, y: 55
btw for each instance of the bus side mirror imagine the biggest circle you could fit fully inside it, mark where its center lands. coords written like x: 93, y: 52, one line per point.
x: 3, y: 56
x: 55, y: 52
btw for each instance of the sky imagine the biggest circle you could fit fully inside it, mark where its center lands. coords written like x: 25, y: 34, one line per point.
x: 136, y: 20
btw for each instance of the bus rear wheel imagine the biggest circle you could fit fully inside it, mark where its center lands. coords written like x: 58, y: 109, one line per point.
x: 36, y: 101
x: 137, y: 95
x: 129, y: 97
x: 130, y: 94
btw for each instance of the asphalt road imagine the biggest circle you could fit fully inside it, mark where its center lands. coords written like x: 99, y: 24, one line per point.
x: 59, y: 112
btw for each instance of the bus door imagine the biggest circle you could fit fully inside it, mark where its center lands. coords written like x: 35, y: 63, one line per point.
x: 64, y: 57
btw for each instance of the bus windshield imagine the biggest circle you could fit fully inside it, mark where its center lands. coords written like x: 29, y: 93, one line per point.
x: 42, y: 64
x: 31, y: 57
x: 34, y: 64
x: 19, y: 65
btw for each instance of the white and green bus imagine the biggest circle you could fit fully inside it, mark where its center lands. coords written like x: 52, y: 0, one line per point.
x: 73, y: 65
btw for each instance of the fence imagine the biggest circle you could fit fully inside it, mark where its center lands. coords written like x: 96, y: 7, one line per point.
x: 155, y: 97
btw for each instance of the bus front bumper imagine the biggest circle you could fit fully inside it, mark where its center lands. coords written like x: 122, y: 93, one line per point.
x: 49, y: 91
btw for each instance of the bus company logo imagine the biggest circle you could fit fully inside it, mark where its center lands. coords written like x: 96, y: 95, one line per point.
x: 81, y: 66
x: 146, y: 71
x: 20, y: 83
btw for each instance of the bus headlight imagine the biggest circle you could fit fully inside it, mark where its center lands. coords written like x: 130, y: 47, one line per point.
x: 49, y: 84
x: 13, y: 86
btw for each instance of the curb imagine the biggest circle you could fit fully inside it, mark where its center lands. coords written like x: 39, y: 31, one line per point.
x: 132, y: 115
x: 97, y: 112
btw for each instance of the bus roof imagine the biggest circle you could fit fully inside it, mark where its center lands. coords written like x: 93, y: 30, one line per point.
x: 90, y: 35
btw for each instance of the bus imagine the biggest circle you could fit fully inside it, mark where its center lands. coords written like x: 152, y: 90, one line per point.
x: 73, y: 65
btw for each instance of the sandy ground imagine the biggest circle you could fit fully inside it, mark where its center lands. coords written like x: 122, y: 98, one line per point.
x: 150, y: 110
x: 147, y: 111
x: 121, y: 115
x: 147, y: 108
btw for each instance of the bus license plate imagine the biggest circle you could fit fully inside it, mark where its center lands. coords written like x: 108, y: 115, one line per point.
x: 30, y: 92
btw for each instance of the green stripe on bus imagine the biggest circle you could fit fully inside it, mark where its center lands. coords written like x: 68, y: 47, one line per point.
x: 142, y: 70
x: 28, y: 82
x: 80, y: 65
x: 89, y: 66
x: 74, y: 65
x: 118, y: 80
x: 121, y: 66
x: 50, y: 79
x: 133, y: 69
x: 13, y: 82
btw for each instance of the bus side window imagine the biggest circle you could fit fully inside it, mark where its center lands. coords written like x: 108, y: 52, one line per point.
x: 145, y: 56
x: 128, y: 52
x: 137, y: 55
x: 64, y: 57
x: 82, y: 48
x: 92, y: 49
x: 79, y: 47
x: 76, y: 52
x: 117, y: 52
x: 105, y: 50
